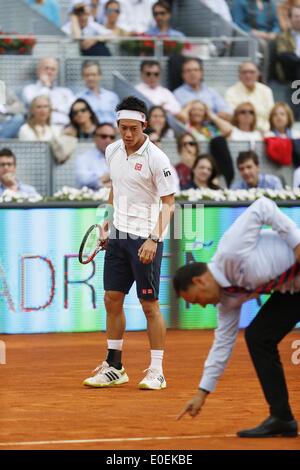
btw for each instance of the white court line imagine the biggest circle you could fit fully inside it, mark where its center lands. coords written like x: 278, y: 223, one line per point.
x: 117, y: 439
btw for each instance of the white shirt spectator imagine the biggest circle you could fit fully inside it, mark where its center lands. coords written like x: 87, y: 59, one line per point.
x: 244, y: 136
x: 160, y: 96
x: 39, y: 133
x: 61, y: 100
x: 136, y: 15
x: 220, y: 7
x: 91, y: 30
x: 138, y: 184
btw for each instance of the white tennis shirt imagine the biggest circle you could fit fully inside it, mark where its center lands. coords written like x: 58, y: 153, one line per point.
x: 139, y: 181
x: 248, y: 256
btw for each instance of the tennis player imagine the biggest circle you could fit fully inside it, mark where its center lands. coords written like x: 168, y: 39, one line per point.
x: 142, y: 202
x: 248, y: 257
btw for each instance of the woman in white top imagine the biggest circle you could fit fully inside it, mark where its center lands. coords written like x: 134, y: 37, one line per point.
x: 244, y: 124
x: 38, y: 127
x: 282, y: 121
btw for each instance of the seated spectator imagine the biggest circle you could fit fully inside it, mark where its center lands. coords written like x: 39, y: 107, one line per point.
x: 48, y: 8
x: 112, y: 14
x: 219, y: 7
x: 8, y: 178
x: 103, y: 102
x: 282, y: 141
x: 158, y: 123
x: 162, y: 13
x: 258, y: 17
x: 202, y: 123
x: 244, y: 124
x: 204, y: 173
x: 288, y: 49
x: 136, y: 15
x: 188, y: 150
x: 91, y: 169
x: 83, y: 27
x: 283, y: 13
x: 11, y: 116
x: 194, y: 88
x: 61, y: 98
x: 38, y: 126
x: 83, y: 121
x: 151, y: 88
x: 248, y: 89
x: 248, y: 166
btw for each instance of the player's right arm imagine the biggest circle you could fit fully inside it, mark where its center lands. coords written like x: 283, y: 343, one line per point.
x: 218, y: 357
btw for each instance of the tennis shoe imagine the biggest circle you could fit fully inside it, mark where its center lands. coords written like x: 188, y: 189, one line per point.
x: 106, y: 376
x: 154, y: 380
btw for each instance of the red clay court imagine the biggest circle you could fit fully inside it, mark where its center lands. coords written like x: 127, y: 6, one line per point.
x: 44, y: 405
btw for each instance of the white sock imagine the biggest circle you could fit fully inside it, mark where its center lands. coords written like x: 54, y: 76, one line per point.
x: 115, y: 344
x: 156, y: 359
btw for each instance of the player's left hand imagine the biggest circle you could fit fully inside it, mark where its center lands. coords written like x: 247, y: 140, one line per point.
x: 147, y: 251
x: 297, y: 253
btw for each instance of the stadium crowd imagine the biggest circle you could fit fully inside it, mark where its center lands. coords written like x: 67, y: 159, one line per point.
x: 246, y: 111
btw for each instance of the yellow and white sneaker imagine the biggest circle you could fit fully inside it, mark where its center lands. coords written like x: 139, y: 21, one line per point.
x: 154, y: 380
x: 106, y: 376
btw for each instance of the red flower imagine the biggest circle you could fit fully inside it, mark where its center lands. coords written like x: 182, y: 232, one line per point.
x: 22, y: 50
x: 7, y: 40
x: 2, y: 50
x: 148, y: 44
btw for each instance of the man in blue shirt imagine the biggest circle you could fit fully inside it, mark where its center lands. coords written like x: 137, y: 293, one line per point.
x: 162, y: 15
x: 103, y: 102
x: 194, y: 88
x: 8, y: 179
x: 248, y: 166
x: 91, y: 169
x: 258, y: 17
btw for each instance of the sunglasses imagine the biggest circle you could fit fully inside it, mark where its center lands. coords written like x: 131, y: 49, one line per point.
x: 193, y: 144
x: 246, y: 111
x: 105, y: 136
x: 150, y: 74
x: 112, y: 10
x: 78, y: 111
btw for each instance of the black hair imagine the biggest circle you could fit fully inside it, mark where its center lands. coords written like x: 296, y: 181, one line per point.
x: 192, y: 59
x: 131, y: 103
x: 183, y: 278
x: 245, y: 156
x: 102, y: 124
x: 163, y: 4
x: 110, y: 2
x: 214, y: 172
x: 6, y: 152
x: 94, y: 118
x: 149, y: 63
x: 166, y: 126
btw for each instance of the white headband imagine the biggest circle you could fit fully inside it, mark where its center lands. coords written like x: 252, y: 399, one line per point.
x: 126, y: 114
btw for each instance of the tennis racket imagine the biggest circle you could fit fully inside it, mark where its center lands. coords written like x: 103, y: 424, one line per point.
x: 94, y: 239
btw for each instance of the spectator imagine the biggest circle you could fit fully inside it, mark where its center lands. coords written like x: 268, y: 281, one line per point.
x: 288, y: 49
x: 283, y: 13
x: 48, y: 8
x: 83, y: 27
x: 38, y: 126
x: 248, y: 166
x: 282, y: 142
x: 204, y: 173
x: 91, y: 169
x: 162, y: 13
x: 220, y: 7
x: 103, y: 102
x: 112, y: 14
x: 61, y: 98
x: 202, y: 123
x: 136, y: 15
x: 188, y: 150
x: 158, y: 123
x: 11, y: 116
x: 248, y: 89
x: 194, y: 88
x: 244, y: 124
x: 151, y: 88
x: 83, y: 121
x: 8, y: 178
x: 258, y: 17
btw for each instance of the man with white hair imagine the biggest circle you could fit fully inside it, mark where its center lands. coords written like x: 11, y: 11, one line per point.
x: 61, y: 98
